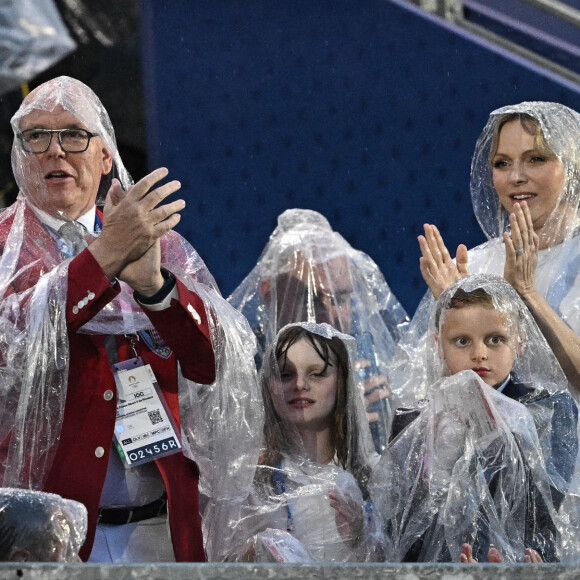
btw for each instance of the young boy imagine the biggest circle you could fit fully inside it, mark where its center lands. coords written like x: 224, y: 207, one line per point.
x: 476, y: 336
x: 486, y: 466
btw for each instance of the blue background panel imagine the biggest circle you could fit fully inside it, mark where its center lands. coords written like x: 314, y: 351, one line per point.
x: 366, y: 111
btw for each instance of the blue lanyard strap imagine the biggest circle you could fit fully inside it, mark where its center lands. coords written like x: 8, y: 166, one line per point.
x: 278, y: 480
x: 98, y: 224
x: 279, y: 485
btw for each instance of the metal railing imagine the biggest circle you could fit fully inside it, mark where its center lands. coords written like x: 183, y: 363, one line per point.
x: 558, y: 9
x: 454, y: 11
x: 450, y: 9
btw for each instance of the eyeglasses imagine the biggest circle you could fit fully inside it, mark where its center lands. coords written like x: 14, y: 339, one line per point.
x: 70, y: 140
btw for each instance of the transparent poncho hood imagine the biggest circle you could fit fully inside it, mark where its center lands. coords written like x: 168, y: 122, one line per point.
x: 560, y: 126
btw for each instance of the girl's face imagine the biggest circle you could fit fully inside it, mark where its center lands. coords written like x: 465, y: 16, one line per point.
x: 306, y: 393
x: 522, y: 173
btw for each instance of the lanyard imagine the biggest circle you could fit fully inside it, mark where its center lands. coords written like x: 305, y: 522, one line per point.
x: 279, y: 484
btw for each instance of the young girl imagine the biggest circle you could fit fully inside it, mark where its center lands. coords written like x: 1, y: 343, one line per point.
x: 312, y: 476
x: 309, y: 272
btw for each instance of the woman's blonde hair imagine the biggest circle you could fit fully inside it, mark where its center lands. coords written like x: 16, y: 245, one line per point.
x: 530, y: 125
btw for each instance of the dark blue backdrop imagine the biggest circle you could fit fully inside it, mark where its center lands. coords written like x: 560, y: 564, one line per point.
x: 366, y: 111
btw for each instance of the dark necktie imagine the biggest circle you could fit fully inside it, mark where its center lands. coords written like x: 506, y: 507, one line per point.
x: 73, y: 234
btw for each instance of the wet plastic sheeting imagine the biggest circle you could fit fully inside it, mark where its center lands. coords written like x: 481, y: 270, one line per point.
x: 289, y: 572
x: 309, y: 273
x: 291, y: 491
x: 33, y: 38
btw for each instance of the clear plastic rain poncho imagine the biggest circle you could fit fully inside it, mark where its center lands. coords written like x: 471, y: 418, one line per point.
x: 309, y: 273
x: 40, y: 527
x: 559, y: 262
x: 34, y: 38
x: 557, y: 274
x: 560, y: 127
x: 221, y: 422
x: 472, y: 464
x: 288, y: 517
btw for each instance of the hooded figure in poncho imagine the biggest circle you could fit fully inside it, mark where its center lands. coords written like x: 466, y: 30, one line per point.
x: 309, y: 273
x: 487, y: 458
x: 310, y: 501
x: 84, y: 288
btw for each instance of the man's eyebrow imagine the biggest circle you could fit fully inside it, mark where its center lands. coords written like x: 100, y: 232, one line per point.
x: 69, y: 126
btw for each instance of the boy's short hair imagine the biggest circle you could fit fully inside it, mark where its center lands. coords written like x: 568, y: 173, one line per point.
x: 479, y: 297
x: 463, y: 299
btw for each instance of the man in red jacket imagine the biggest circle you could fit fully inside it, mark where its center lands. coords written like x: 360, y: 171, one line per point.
x: 104, y: 329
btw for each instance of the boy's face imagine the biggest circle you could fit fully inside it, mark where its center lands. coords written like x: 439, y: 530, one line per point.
x: 477, y: 338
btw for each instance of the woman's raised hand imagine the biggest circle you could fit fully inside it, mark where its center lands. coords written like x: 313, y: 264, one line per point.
x: 437, y: 267
x: 521, y: 251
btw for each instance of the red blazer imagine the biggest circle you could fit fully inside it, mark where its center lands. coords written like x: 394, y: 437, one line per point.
x: 80, y: 465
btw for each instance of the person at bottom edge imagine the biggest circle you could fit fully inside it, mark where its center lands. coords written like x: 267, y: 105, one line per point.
x: 487, y: 458
x: 310, y: 501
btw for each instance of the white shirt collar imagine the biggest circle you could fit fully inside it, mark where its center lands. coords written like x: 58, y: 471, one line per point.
x: 503, y: 385
x: 87, y: 219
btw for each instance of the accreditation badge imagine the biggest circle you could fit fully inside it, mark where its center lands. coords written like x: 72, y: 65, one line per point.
x: 144, y: 428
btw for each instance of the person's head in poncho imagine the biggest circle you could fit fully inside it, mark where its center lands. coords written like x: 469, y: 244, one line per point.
x: 309, y: 391
x: 529, y: 152
x: 481, y: 324
x: 64, y: 148
x: 476, y: 333
x: 309, y: 273
x: 40, y: 527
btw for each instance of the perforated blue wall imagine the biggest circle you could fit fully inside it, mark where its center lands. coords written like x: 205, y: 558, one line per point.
x: 366, y: 111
